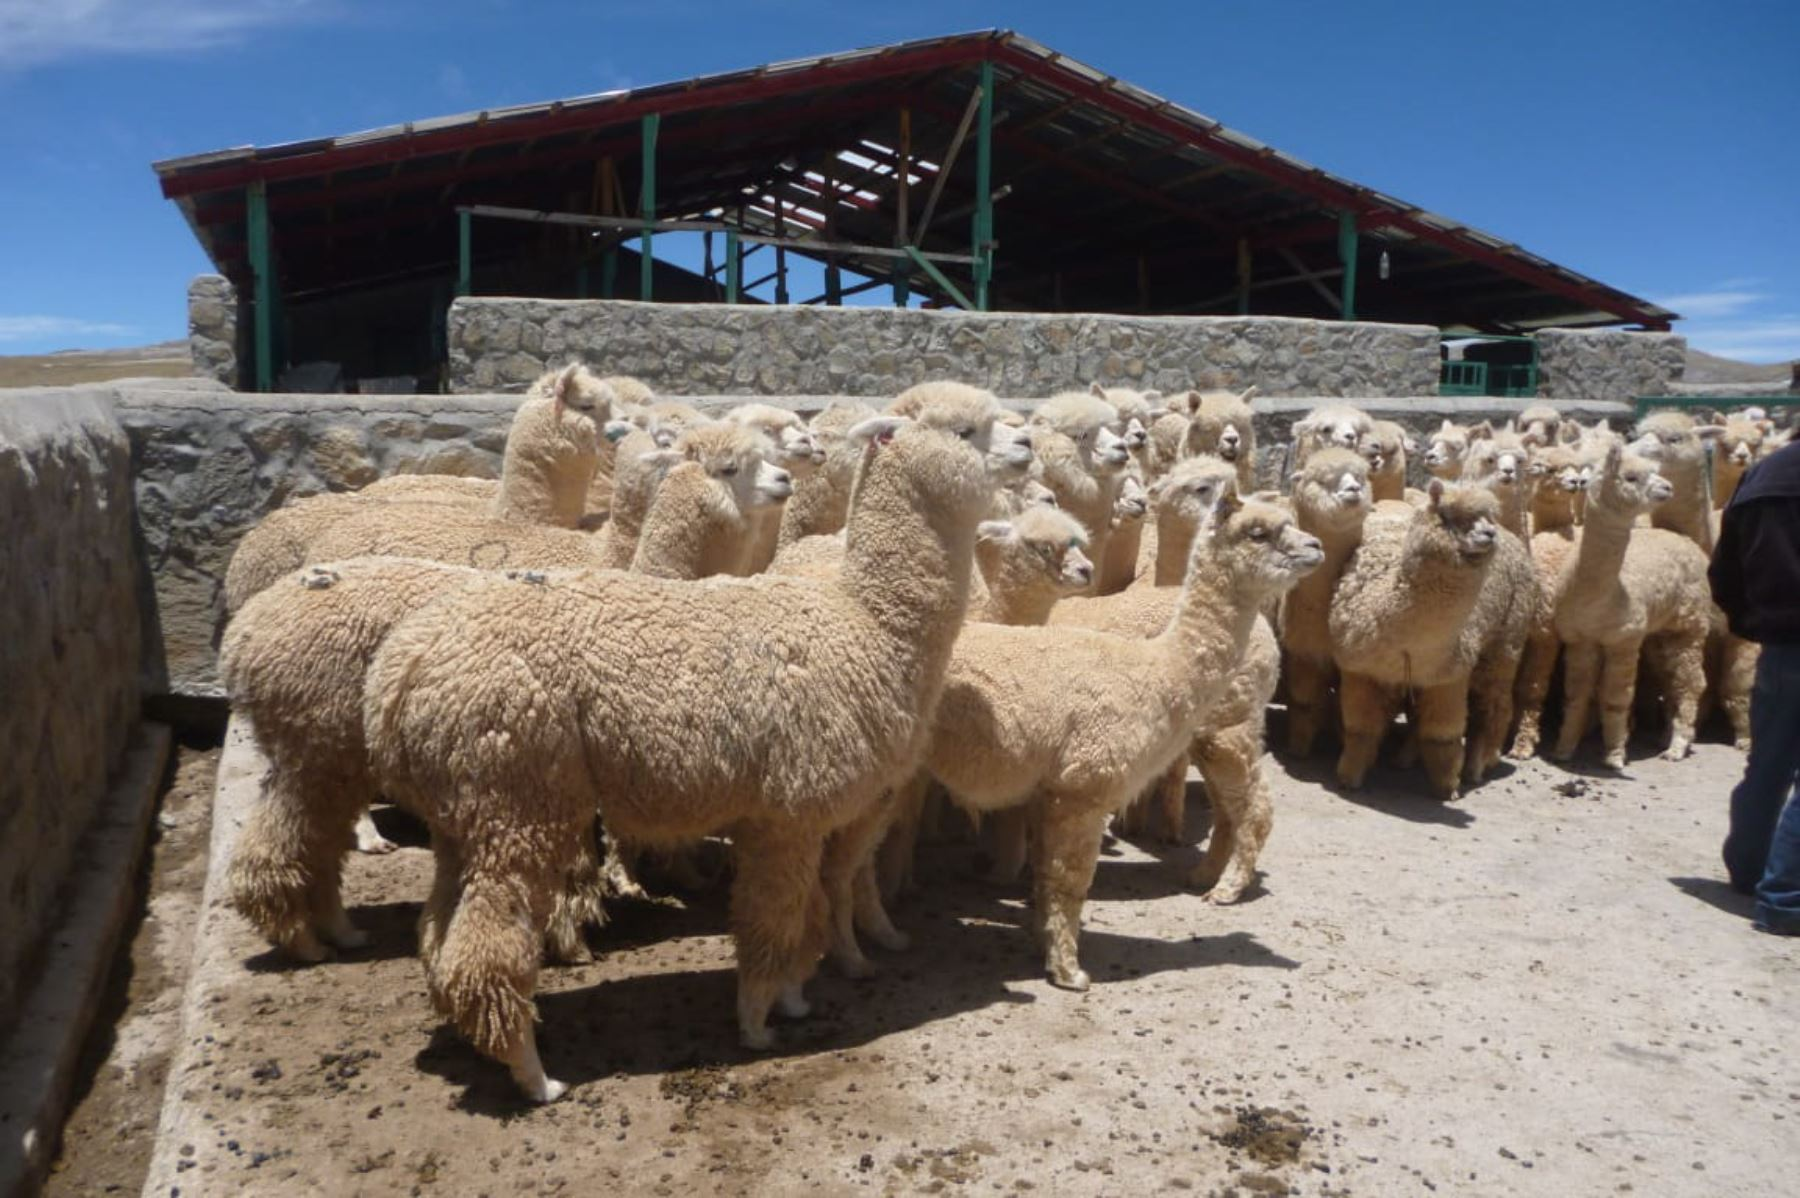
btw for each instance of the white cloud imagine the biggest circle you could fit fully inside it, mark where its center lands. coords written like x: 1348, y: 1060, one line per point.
x: 36, y: 32
x: 1775, y: 339
x: 453, y: 83
x: 1711, y: 305
x: 46, y: 328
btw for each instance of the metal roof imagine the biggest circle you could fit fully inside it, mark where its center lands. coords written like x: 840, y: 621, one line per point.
x: 1115, y: 199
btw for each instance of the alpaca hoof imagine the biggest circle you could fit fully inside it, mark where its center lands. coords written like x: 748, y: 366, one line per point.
x: 756, y: 1039
x: 549, y: 1090
x: 1073, y: 979
x: 308, y: 948
x: 1616, y: 761
x: 375, y: 844
x: 857, y: 967
x: 1676, y: 751
x: 579, y: 954
x: 1562, y: 752
x: 892, y: 939
x: 793, y: 1004
x: 1349, y: 781
x: 1223, y: 896
x: 1741, y: 744
x: 348, y: 937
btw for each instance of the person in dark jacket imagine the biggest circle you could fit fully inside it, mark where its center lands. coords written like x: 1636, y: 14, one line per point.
x: 1755, y: 579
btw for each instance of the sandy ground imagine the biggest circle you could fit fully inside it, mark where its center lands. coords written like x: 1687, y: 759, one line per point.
x: 1540, y: 989
x: 107, y: 1138
x: 168, y: 359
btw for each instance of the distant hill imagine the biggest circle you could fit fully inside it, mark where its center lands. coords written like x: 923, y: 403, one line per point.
x: 167, y: 359
x: 1703, y: 367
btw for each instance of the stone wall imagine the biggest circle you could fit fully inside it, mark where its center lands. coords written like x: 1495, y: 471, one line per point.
x: 213, y: 328
x: 1608, y: 365
x: 719, y: 349
x: 69, y: 636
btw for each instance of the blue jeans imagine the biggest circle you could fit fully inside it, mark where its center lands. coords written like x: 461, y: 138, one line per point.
x: 1762, y: 851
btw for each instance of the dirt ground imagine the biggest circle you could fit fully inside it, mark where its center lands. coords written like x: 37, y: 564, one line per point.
x: 1540, y: 989
x: 108, y: 1136
x: 168, y: 359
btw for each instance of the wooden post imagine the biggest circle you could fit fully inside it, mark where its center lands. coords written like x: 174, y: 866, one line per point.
x: 647, y: 206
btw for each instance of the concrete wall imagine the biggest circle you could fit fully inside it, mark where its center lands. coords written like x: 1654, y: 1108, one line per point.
x: 1608, y: 365
x: 718, y: 349
x: 69, y: 637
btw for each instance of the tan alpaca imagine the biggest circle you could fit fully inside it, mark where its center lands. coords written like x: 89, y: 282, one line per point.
x: 1216, y: 423
x: 821, y: 502
x: 1083, y: 460
x: 1501, y: 462
x: 1178, y: 500
x: 1744, y: 442
x: 1119, y: 569
x: 1437, y: 602
x: 1075, y: 722
x: 1137, y: 411
x: 1628, y: 589
x: 1387, y: 447
x: 550, y: 455
x: 796, y: 450
x: 1331, y: 501
x: 1446, y: 448
x: 1330, y: 426
x: 778, y: 709
x: 1559, y: 473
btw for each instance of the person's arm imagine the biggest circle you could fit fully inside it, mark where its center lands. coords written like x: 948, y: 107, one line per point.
x: 1726, y: 574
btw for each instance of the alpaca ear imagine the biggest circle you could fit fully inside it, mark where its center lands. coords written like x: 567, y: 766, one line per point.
x: 1246, y: 393
x: 1568, y: 432
x: 1408, y: 445
x: 1191, y: 402
x: 1615, y: 453
x: 1434, y: 491
x: 661, y: 459
x: 1481, y: 432
x: 564, y: 387
x: 994, y: 530
x: 617, y: 430
x: 1227, y: 505
x: 1447, y: 427
x: 1096, y: 390
x: 877, y: 430
x: 1710, y: 432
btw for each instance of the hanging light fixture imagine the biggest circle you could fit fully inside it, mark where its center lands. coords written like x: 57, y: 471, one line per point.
x: 1384, y: 264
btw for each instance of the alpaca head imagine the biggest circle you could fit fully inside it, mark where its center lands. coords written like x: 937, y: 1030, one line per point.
x: 1040, y: 549
x: 1558, y: 469
x: 1009, y: 455
x: 1086, y: 423
x: 1256, y: 544
x: 941, y: 472
x: 1338, y: 426
x: 737, y: 460
x: 1458, y: 524
x: 1540, y: 425
x: 1219, y: 422
x: 1387, y: 447
x: 1499, y: 461
x: 1742, y: 442
x: 1331, y: 490
x: 1133, y: 503
x: 796, y: 449
x: 966, y: 413
x: 1136, y: 409
x: 1449, y: 445
x: 575, y: 389
x: 1674, y: 441
x: 630, y: 392
x: 1626, y: 484
x: 1189, y: 491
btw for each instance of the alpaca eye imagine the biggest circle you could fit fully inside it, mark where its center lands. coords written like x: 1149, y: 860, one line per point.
x: 1259, y: 534
x: 1631, y: 478
x: 965, y: 433
x: 729, y: 471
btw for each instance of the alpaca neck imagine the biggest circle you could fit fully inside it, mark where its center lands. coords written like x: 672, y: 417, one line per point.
x: 1206, y: 637
x: 1552, y: 510
x: 1600, y: 554
x: 1018, y: 605
x: 689, y: 532
x: 818, y: 506
x: 1338, y: 542
x: 1174, y: 542
x: 907, y: 565
x: 1119, y: 567
x: 544, y: 489
x: 1689, y: 512
x: 1389, y: 484
x: 1727, y: 474
x: 1513, y: 504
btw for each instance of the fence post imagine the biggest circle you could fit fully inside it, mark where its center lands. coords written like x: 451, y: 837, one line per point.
x: 647, y: 205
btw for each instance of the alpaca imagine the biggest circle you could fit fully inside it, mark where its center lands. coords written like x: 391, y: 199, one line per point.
x: 1026, y: 564
x: 795, y: 450
x: 1501, y: 462
x: 1083, y: 460
x: 1331, y: 501
x: 1075, y: 723
x: 1436, y: 601
x: 1332, y: 426
x: 1540, y: 425
x: 1740, y: 446
x: 550, y: 456
x: 706, y: 518
x: 1179, y: 499
x: 1215, y: 423
x: 1120, y: 567
x: 1677, y: 446
x: 1387, y: 447
x: 1628, y: 589
x: 1449, y: 445
x: 501, y: 712
x: 1137, y: 412
x: 1558, y: 476
x: 821, y: 501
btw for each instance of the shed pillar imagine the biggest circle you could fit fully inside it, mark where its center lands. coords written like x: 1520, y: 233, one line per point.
x: 464, y: 245
x: 984, y: 189
x: 734, y: 266
x: 647, y: 205
x: 1347, y: 255
x: 262, y: 267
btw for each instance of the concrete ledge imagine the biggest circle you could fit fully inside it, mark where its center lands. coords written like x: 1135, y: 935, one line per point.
x: 39, y: 1062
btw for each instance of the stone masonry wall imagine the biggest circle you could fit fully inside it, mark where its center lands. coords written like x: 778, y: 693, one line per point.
x: 69, y: 635
x: 213, y: 328
x: 720, y: 349
x: 1609, y: 365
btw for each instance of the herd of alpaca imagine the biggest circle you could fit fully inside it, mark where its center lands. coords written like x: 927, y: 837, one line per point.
x: 657, y: 628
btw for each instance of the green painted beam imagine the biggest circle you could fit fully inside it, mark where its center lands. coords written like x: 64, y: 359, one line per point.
x: 647, y: 205
x: 465, y: 264
x: 262, y: 267
x: 984, y: 188
x: 609, y: 272
x: 937, y: 276
x: 1347, y: 255
x: 734, y: 266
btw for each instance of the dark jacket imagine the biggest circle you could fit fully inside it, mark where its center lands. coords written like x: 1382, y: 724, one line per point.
x: 1755, y: 570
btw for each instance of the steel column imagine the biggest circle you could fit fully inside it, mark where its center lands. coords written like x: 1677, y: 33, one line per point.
x: 464, y: 262
x: 647, y: 204
x: 984, y: 188
x: 1347, y: 255
x: 262, y: 266
x: 734, y: 266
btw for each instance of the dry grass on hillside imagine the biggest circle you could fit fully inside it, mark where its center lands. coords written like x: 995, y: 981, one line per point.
x: 168, y: 360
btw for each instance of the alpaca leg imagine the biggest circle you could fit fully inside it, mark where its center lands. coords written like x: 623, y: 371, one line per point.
x: 579, y: 901
x: 1581, y: 671
x: 290, y: 851
x: 1008, y: 829
x: 1491, y: 703
x: 1533, y: 685
x: 485, y: 971
x: 871, y: 914
x: 446, y: 892
x: 1618, y: 685
x: 1443, y: 714
x: 1687, y: 679
x: 1071, y: 850
x: 778, y: 913
x: 1737, y: 678
x: 1230, y: 763
x: 1368, y: 708
x: 848, y: 851
x: 894, y: 861
x: 1309, y: 694
x: 369, y: 838
x: 329, y: 917
x: 1170, y: 799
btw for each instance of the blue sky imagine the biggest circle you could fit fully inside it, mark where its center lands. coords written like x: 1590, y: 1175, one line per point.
x: 1650, y: 144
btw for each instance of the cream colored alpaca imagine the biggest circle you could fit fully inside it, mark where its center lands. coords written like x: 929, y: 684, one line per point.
x: 1082, y: 459
x: 777, y: 709
x: 1137, y: 411
x: 796, y: 450
x: 1120, y: 567
x: 1331, y: 426
x: 1743, y: 443
x: 1628, y: 589
x: 1387, y: 447
x: 1437, y: 602
x: 1216, y: 423
x: 821, y: 502
x: 1331, y: 501
x: 710, y: 512
x: 1540, y: 426
x: 1446, y: 448
x: 1501, y: 462
x: 551, y: 451
x: 1559, y: 474
x: 1075, y: 722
